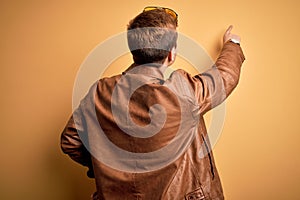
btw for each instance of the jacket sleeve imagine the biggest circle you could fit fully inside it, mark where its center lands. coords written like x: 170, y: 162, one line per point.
x: 214, y: 85
x: 72, y: 145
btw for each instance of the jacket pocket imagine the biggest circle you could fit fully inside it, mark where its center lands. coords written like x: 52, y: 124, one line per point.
x: 208, y: 151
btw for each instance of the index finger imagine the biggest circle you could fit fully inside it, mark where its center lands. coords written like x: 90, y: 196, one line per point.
x: 229, y: 29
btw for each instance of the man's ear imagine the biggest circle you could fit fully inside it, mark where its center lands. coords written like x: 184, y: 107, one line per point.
x: 172, y: 55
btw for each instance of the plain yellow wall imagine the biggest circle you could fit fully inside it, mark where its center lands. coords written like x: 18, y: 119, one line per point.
x: 43, y: 44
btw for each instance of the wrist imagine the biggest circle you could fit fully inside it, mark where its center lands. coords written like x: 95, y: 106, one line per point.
x: 234, y: 41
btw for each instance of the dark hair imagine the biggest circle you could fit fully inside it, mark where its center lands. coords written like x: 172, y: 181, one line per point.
x: 151, y: 36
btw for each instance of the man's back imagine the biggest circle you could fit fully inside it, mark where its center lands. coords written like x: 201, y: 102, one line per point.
x: 168, y: 138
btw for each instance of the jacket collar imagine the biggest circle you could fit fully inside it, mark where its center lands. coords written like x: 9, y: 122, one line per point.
x: 152, y: 70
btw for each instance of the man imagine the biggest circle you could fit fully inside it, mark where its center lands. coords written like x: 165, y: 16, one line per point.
x: 143, y: 136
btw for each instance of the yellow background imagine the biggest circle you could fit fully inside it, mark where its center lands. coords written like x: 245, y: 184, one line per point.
x: 43, y: 44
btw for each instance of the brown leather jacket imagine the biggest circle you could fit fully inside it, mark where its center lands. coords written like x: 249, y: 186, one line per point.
x: 136, y: 149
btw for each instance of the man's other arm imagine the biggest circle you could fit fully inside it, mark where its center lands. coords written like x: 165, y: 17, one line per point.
x: 72, y: 145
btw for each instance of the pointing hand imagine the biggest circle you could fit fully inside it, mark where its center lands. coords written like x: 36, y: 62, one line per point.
x: 230, y: 36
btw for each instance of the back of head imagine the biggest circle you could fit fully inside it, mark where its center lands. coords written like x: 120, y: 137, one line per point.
x: 151, y: 36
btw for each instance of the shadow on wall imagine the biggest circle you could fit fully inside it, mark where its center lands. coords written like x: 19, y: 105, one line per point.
x: 70, y: 178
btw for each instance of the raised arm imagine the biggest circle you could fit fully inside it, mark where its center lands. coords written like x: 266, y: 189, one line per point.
x: 214, y: 85
x: 230, y: 61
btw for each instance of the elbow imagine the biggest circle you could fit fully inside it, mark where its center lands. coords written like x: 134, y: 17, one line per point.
x: 230, y: 82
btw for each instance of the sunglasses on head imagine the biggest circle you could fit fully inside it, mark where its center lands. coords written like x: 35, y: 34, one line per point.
x: 167, y: 10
